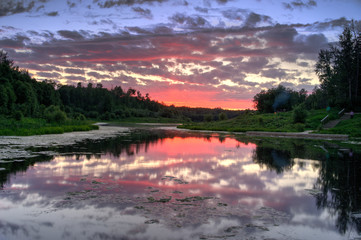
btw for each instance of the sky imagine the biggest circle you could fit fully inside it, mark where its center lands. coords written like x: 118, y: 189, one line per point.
x: 196, y: 53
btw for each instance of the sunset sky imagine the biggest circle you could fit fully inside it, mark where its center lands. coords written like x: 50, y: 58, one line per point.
x: 205, y: 53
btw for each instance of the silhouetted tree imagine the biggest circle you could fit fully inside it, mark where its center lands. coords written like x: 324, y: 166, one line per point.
x: 338, y: 69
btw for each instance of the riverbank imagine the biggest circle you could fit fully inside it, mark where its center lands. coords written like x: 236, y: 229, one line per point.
x: 303, y: 135
x: 16, y: 147
x: 39, y: 126
x: 22, y: 147
x: 280, y: 124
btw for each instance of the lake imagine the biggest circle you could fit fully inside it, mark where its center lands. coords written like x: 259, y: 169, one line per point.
x: 164, y: 183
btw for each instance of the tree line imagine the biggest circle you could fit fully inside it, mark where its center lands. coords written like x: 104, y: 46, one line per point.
x: 338, y: 69
x: 23, y: 96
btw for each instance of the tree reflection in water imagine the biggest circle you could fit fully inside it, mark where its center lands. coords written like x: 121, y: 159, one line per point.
x: 340, y: 184
x: 339, y: 181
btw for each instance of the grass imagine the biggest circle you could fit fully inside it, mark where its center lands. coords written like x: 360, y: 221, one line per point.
x: 38, y: 126
x: 352, y: 127
x: 270, y: 122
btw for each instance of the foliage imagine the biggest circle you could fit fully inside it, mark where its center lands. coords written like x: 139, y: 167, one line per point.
x: 18, y: 116
x: 352, y: 127
x: 54, y: 114
x: 222, y: 116
x: 299, y: 114
x: 338, y: 69
x: 249, y: 121
x: 278, y: 99
x: 38, y: 126
x: 208, y: 118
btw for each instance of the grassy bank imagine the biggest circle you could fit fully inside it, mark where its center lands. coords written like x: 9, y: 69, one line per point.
x: 352, y: 127
x: 38, y: 126
x: 270, y: 122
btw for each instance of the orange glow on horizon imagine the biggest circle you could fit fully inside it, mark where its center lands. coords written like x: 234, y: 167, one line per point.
x: 226, y: 105
x: 203, y: 99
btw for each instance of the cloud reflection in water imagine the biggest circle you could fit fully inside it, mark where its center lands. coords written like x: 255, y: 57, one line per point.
x: 199, y: 185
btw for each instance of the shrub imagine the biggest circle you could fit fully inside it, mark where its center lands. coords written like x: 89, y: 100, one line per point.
x: 54, y: 114
x: 18, y: 116
x: 222, y: 116
x: 79, y: 117
x: 208, y: 118
x: 105, y: 116
x: 299, y: 114
x: 300, y: 127
x: 92, y: 114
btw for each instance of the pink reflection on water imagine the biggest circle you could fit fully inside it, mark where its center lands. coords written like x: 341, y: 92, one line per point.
x: 192, y: 166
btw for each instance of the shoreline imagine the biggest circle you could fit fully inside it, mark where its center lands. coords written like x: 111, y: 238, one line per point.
x: 303, y: 135
x: 15, y: 147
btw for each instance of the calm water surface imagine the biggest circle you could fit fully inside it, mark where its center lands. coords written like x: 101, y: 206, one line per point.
x: 167, y: 184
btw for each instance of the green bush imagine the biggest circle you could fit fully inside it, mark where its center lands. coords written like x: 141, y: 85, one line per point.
x: 222, y: 116
x: 300, y: 127
x: 18, y: 116
x: 54, y: 114
x: 92, y: 114
x: 79, y: 117
x: 208, y: 118
x: 299, y: 114
x: 106, y: 116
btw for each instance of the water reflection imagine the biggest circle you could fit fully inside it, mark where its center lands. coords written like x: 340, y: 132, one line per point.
x: 204, y: 185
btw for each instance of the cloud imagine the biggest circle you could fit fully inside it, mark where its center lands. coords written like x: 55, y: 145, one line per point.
x: 117, y: 3
x: 50, y: 75
x: 74, y: 71
x: 279, y: 36
x: 143, y: 12
x: 222, y: 1
x: 303, y: 64
x: 98, y: 75
x: 72, y: 80
x: 235, y: 14
x: 138, y: 30
x: 18, y: 41
x: 189, y: 21
x: 53, y: 14
x: 253, y: 19
x: 200, y: 9
x: 10, y: 7
x: 299, y: 4
x: 42, y: 67
x: 216, y: 60
x: 162, y: 30
x: 275, y: 73
x: 74, y: 35
x: 71, y: 4
x: 320, y: 26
